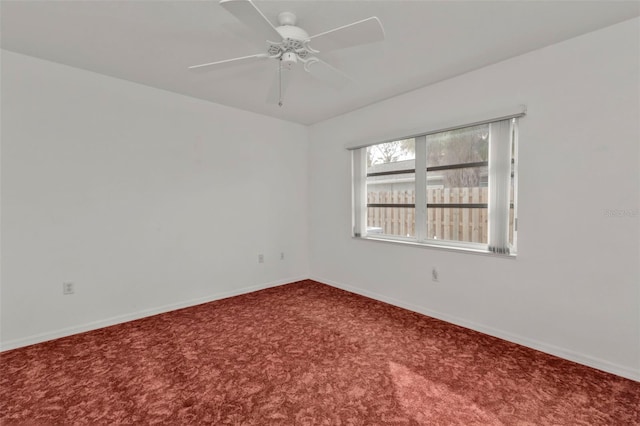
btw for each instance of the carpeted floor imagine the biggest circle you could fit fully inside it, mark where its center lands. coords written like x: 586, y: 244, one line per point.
x: 302, y: 354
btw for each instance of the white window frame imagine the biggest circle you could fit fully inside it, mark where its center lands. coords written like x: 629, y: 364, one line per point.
x: 498, y: 243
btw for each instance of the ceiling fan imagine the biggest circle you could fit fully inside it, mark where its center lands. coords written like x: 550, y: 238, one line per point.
x: 291, y: 45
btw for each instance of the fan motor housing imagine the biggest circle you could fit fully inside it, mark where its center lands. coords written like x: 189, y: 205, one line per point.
x: 292, y: 46
x: 292, y: 32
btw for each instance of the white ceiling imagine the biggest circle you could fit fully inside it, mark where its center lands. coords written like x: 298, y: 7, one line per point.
x: 152, y: 43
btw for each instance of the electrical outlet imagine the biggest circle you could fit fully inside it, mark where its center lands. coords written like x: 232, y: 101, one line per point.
x: 261, y: 258
x: 68, y: 288
x: 435, y: 276
x: 281, y: 255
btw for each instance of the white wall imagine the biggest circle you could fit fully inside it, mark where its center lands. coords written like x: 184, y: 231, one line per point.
x: 145, y: 199
x: 574, y: 288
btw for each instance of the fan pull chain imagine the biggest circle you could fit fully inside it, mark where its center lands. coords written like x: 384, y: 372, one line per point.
x: 280, y: 84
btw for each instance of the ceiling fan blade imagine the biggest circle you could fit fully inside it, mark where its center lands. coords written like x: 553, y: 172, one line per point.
x: 325, y: 72
x: 366, y: 31
x: 279, y: 86
x: 226, y: 62
x: 248, y: 13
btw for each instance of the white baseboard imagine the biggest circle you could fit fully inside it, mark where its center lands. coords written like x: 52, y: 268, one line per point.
x: 534, y: 344
x: 94, y: 325
x: 567, y: 354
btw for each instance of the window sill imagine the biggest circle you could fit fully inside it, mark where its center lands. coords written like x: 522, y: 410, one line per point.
x: 470, y: 250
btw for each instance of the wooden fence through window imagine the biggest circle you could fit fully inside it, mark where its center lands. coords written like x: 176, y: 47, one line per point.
x: 443, y: 223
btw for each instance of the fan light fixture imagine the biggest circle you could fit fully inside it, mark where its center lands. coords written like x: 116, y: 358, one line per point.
x: 288, y: 60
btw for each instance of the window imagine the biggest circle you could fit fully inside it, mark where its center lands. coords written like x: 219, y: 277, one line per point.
x: 453, y: 188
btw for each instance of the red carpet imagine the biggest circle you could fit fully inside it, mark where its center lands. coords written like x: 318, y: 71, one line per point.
x: 302, y: 354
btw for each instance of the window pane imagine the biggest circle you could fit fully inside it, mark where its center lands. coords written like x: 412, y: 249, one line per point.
x: 448, y: 192
x: 467, y: 145
x: 391, y: 152
x: 397, y: 221
x: 391, y: 182
x: 458, y: 224
x: 451, y: 186
x: 467, y: 177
